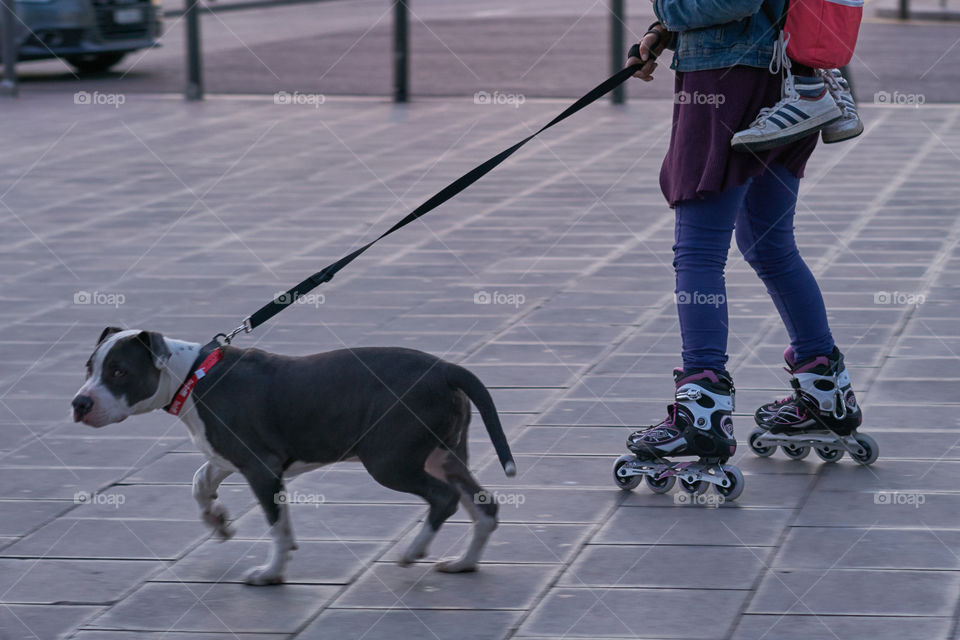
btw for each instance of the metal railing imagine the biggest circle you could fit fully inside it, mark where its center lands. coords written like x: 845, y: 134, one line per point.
x: 401, y: 49
x: 8, y: 86
x: 618, y: 46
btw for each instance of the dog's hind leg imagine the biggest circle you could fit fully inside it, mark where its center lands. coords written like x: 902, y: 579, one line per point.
x: 268, y: 487
x: 205, y: 483
x: 478, y: 502
x: 440, y: 495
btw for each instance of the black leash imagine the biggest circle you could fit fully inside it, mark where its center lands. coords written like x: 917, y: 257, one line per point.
x: 292, y: 294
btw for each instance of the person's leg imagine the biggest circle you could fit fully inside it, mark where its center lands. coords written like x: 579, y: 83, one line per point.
x: 699, y: 422
x: 764, y: 231
x: 701, y: 243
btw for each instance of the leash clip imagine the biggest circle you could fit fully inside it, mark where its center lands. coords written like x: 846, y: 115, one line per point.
x: 227, y: 338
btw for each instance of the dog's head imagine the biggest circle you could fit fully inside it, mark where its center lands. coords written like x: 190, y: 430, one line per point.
x: 123, y: 376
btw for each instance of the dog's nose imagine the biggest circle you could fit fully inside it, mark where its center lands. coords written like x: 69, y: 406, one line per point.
x: 81, y: 407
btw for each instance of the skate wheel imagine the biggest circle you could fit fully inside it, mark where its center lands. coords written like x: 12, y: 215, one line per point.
x: 662, y: 485
x: 795, y: 453
x: 829, y: 454
x: 735, y: 476
x: 870, y: 447
x: 630, y: 482
x: 697, y: 487
x: 760, y: 450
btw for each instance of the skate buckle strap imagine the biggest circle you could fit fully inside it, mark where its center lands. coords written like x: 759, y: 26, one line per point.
x: 840, y: 406
x: 689, y: 393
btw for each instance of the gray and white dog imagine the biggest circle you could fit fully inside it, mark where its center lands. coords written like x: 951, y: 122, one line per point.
x: 402, y: 413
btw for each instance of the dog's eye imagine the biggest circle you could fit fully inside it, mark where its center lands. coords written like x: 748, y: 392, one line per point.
x: 119, y: 373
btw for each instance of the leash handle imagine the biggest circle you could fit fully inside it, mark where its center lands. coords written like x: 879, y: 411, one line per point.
x: 326, y: 274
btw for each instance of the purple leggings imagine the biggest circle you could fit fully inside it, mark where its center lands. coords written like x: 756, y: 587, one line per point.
x: 762, y: 213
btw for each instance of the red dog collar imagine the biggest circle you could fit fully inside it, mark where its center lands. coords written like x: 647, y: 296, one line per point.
x: 187, y: 387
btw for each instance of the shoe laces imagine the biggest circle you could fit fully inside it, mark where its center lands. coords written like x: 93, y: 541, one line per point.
x: 840, y: 91
x: 779, y: 63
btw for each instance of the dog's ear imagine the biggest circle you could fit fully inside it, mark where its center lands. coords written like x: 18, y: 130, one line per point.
x: 109, y: 331
x: 157, y: 347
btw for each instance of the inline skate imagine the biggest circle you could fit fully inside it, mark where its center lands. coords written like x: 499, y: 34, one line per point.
x: 822, y: 414
x: 698, y: 424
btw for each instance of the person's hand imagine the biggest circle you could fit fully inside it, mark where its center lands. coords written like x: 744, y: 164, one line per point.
x: 649, y: 43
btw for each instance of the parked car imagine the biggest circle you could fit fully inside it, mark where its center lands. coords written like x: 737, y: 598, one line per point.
x: 92, y: 35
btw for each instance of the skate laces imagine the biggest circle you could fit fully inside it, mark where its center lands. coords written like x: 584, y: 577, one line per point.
x: 671, y: 419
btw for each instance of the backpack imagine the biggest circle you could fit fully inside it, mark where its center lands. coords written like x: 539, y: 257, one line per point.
x: 819, y: 33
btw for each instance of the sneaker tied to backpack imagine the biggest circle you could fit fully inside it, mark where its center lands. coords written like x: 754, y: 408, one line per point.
x: 806, y: 106
x: 849, y: 125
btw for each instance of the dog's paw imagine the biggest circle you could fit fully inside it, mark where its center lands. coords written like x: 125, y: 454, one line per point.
x: 408, y: 558
x: 455, y: 566
x: 217, y: 518
x: 262, y: 576
x: 225, y: 532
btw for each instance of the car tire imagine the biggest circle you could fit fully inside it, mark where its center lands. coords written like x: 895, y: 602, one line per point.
x: 95, y: 62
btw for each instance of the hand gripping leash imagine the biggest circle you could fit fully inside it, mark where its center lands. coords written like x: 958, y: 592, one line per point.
x: 294, y: 293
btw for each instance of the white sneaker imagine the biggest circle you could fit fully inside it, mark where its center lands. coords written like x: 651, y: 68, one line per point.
x: 849, y: 125
x: 792, y: 118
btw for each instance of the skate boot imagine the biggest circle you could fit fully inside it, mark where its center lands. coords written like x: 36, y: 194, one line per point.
x: 822, y: 414
x: 698, y: 424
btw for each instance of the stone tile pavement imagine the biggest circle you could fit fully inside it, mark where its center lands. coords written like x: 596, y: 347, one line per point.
x: 183, y: 218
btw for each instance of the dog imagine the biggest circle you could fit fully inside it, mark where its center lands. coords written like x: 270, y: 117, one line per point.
x: 402, y: 413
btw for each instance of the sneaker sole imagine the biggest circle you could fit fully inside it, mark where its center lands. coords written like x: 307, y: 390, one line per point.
x: 848, y: 135
x: 772, y: 143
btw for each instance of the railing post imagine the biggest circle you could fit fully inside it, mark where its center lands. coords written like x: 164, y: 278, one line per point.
x: 194, y: 89
x: 617, y: 46
x: 8, y: 86
x: 401, y: 50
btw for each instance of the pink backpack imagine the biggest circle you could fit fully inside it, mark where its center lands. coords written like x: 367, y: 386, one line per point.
x: 821, y: 33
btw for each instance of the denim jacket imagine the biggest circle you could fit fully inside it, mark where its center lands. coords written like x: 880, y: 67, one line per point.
x: 715, y: 34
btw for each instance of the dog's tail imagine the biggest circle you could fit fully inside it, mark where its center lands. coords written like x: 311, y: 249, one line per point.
x: 466, y: 381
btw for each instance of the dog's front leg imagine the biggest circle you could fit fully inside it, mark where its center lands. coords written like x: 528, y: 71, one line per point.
x: 205, y: 483
x: 268, y: 487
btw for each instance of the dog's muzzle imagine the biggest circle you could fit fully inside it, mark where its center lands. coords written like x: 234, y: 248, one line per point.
x: 82, y: 405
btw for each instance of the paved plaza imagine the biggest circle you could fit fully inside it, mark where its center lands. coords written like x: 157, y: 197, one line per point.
x: 184, y: 218
x: 551, y: 279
